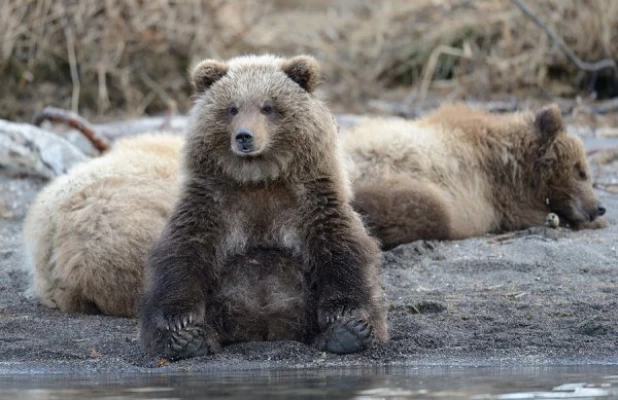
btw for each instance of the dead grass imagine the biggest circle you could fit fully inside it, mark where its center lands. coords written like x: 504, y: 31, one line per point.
x: 130, y: 56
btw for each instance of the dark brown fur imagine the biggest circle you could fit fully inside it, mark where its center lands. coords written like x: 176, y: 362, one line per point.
x: 262, y: 245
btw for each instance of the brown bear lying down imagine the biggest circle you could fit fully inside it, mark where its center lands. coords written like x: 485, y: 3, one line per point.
x: 458, y: 173
x: 462, y: 172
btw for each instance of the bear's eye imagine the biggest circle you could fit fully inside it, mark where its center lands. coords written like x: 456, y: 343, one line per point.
x: 581, y: 173
x: 233, y: 110
x: 267, y: 110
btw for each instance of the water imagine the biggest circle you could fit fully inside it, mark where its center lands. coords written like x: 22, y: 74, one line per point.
x: 367, y: 383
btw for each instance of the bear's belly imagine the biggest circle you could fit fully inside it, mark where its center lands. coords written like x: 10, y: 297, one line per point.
x: 263, y: 295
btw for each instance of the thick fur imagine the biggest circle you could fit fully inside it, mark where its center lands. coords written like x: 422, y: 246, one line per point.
x: 462, y: 172
x: 88, y: 232
x: 263, y: 243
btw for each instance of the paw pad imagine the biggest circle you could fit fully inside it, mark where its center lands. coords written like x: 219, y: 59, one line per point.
x: 184, y: 339
x: 345, y: 331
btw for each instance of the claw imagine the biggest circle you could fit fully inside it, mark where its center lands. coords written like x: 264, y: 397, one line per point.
x: 347, y: 330
x: 178, y: 342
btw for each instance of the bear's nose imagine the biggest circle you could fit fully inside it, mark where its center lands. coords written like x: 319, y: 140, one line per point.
x: 244, y: 138
x: 601, y: 210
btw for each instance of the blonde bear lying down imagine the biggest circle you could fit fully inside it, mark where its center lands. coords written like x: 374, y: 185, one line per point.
x: 87, y: 233
x: 458, y: 173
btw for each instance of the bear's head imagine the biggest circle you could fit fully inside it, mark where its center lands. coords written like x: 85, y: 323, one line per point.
x: 565, y: 171
x: 256, y: 118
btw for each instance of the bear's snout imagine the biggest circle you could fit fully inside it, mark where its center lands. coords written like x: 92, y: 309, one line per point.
x: 244, y: 141
x: 598, y: 211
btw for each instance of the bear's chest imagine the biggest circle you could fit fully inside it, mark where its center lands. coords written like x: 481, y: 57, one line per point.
x: 262, y: 218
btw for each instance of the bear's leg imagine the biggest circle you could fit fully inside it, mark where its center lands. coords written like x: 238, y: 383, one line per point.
x: 403, y: 212
x: 173, y: 311
x: 73, y: 302
x: 345, y: 262
x: 598, y: 223
x: 177, y: 335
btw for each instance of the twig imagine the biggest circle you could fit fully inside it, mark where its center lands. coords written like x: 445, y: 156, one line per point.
x: 430, y: 68
x: 170, y: 113
x: 73, y: 66
x: 532, y: 232
x: 103, y: 101
x: 156, y: 88
x: 502, y: 237
x: 74, y: 121
x: 171, y: 104
x: 583, y: 65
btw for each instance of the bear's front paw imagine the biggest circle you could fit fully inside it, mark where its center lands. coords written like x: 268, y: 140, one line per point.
x: 598, y: 223
x: 344, y: 329
x: 179, y: 337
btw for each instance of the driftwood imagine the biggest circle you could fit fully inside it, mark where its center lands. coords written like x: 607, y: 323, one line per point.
x: 27, y: 149
x: 74, y: 121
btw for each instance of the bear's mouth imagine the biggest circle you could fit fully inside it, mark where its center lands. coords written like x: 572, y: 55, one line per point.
x: 244, y: 150
x: 574, y: 214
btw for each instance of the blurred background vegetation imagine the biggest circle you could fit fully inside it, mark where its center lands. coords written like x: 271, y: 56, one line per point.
x: 118, y: 58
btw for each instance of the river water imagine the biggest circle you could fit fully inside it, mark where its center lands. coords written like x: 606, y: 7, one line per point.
x: 367, y: 383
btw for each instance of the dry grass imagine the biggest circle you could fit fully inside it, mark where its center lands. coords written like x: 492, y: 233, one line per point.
x: 130, y: 56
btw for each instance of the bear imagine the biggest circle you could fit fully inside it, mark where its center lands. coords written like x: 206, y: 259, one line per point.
x: 262, y: 243
x: 463, y: 172
x: 87, y: 234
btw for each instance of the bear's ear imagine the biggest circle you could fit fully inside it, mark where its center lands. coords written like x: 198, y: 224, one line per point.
x: 548, y: 123
x: 303, y: 70
x: 207, y: 72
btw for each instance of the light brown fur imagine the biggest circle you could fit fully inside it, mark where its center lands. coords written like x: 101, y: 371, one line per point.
x: 87, y: 233
x: 462, y: 172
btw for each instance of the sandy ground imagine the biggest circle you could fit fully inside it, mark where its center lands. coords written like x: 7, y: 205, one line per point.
x: 542, y: 297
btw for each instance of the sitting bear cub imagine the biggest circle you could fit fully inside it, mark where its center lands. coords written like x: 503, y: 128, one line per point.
x: 263, y: 243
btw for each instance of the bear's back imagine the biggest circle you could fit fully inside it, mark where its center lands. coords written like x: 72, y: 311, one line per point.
x: 96, y: 216
x: 384, y: 149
